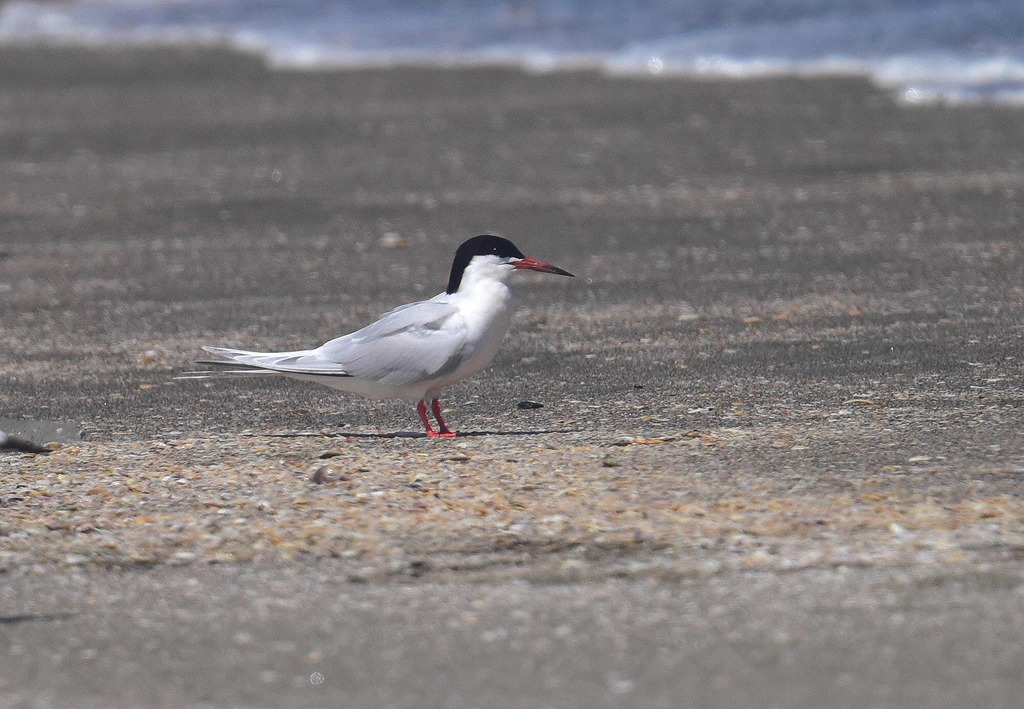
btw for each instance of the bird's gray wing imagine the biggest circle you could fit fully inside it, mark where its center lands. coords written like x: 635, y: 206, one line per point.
x: 411, y: 343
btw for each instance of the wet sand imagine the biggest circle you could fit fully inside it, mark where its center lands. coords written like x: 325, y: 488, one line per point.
x: 788, y: 376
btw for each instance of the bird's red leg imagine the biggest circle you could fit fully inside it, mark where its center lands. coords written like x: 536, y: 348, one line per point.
x: 421, y: 409
x: 444, y: 431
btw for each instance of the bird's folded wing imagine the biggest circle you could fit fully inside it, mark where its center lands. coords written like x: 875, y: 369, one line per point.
x: 412, y: 343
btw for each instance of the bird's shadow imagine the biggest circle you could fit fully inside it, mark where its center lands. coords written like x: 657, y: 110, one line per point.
x: 418, y: 434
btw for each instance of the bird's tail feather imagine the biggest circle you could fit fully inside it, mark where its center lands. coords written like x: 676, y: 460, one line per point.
x: 300, y: 362
x: 236, y: 370
x: 243, y: 363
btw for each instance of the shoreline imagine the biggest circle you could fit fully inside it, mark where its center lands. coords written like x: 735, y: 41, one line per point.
x: 88, y: 60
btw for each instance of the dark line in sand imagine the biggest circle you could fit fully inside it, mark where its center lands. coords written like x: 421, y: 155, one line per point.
x: 410, y: 434
x: 34, y: 617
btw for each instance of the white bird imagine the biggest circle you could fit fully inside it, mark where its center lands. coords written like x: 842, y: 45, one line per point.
x: 416, y: 350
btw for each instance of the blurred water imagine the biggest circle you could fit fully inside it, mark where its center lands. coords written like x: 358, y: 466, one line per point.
x: 957, y: 50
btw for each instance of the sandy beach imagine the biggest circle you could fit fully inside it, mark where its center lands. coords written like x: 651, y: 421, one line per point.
x: 787, y: 377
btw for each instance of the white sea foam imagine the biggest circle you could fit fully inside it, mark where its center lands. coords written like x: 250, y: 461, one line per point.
x: 958, y: 50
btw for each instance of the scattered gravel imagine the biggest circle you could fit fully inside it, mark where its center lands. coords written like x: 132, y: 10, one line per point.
x: 644, y: 504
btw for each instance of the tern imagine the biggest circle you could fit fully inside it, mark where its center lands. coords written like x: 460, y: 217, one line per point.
x: 416, y: 350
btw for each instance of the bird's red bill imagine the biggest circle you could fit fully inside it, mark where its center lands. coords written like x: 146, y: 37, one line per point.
x: 533, y: 264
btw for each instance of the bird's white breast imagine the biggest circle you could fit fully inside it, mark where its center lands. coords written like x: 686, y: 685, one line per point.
x: 486, y: 305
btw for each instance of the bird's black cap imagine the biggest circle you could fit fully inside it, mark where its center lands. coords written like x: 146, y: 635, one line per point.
x: 482, y: 245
